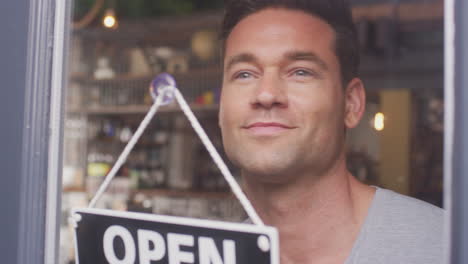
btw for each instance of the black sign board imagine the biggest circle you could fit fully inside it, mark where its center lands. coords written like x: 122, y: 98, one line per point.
x: 104, y: 236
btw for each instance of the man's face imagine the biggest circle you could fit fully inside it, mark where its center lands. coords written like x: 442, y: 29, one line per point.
x: 282, y: 106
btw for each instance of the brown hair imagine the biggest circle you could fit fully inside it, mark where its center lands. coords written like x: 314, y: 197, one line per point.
x: 337, y: 13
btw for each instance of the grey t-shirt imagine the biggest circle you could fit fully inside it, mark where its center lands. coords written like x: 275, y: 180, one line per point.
x: 399, y: 230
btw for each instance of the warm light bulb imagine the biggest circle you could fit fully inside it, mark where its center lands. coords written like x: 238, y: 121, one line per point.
x: 379, y: 121
x: 109, y: 20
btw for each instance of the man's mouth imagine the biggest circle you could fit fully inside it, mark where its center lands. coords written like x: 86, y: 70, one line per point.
x: 267, y: 128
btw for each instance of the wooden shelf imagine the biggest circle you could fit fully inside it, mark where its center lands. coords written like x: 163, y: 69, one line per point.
x: 432, y: 190
x: 168, y: 193
x: 161, y: 31
x: 196, y: 73
x: 77, y: 77
x: 185, y: 193
x: 139, y: 109
x: 73, y: 189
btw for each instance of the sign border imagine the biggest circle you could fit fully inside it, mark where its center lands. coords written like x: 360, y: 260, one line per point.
x: 194, y: 222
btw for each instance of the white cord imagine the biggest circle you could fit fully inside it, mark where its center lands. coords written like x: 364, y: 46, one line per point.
x: 123, y: 157
x: 218, y: 160
x: 203, y: 137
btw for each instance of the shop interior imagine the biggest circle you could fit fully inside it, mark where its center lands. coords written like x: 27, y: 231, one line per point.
x: 117, y: 47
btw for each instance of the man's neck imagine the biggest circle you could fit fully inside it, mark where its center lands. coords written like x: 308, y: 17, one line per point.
x: 318, y: 217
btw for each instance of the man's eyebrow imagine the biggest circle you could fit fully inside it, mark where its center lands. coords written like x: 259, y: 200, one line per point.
x: 307, y: 56
x: 243, y: 57
x: 292, y: 55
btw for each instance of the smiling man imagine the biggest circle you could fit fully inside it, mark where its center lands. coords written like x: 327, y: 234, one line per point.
x: 290, y: 92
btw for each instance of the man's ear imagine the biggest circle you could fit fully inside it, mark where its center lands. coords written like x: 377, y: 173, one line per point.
x: 355, y: 102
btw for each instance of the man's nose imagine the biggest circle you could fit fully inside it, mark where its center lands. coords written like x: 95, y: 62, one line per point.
x: 270, y: 92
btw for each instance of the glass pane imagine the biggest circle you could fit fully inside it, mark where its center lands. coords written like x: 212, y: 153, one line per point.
x: 169, y: 172
x: 117, y: 51
x: 399, y: 143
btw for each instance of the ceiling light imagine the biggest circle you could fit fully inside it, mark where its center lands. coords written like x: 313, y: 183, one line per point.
x: 109, y: 20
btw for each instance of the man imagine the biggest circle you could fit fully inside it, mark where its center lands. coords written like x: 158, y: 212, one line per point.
x: 290, y: 92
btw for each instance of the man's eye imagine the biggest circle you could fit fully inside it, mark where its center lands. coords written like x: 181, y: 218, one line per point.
x: 243, y: 75
x: 302, y: 73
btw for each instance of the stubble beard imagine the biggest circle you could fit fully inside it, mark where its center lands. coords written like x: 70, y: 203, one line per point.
x: 268, y: 165
x: 283, y: 164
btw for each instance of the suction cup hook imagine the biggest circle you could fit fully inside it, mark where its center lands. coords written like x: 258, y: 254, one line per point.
x: 163, y: 84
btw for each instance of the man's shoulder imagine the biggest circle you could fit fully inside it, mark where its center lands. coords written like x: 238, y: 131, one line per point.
x: 401, y: 229
x: 403, y: 211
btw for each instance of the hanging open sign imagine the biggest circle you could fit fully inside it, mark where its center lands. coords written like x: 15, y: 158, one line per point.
x: 104, y: 236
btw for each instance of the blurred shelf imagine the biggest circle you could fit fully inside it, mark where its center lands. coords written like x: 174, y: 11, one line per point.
x: 139, y: 109
x: 185, y: 193
x: 73, y: 189
x: 83, y: 78
x: 115, y: 141
x: 167, y: 193
x: 431, y: 190
x: 161, y: 31
x: 211, y: 71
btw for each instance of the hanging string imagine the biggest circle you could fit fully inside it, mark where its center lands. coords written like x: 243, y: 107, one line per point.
x: 162, y: 95
x: 128, y: 148
x: 218, y: 160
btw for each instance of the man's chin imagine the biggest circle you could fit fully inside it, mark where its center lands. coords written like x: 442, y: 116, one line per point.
x: 267, y: 165
x: 266, y: 174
